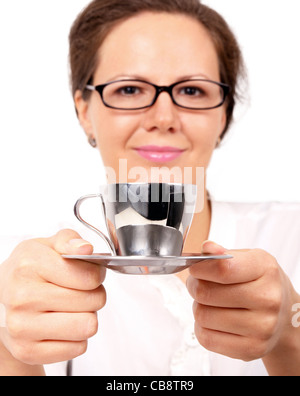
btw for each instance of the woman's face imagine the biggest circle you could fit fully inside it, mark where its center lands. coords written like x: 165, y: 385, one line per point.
x: 161, y: 49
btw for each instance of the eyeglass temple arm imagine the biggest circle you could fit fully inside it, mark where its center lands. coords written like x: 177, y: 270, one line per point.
x: 90, y: 87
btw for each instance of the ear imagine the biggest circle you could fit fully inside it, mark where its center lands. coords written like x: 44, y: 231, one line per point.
x: 82, y: 107
x: 223, y: 126
x: 224, y: 119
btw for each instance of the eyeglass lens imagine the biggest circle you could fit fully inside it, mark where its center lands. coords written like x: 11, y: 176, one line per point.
x: 132, y: 94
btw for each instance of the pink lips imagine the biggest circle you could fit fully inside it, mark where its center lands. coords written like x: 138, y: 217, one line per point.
x: 159, y: 154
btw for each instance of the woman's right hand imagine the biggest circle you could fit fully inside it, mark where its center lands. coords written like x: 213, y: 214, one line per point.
x: 51, y: 303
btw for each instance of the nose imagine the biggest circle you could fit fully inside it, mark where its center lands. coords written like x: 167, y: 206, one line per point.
x: 162, y: 116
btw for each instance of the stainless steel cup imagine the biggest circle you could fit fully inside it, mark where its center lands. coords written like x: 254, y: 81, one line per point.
x: 149, y: 220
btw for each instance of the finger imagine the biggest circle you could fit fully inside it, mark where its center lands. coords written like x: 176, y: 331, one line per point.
x: 230, y: 345
x: 69, y: 242
x: 241, y: 322
x: 47, y: 264
x: 44, y: 352
x: 58, y: 326
x: 52, y: 298
x: 224, y: 296
x: 240, y: 295
x: 49, y: 352
x: 209, y: 247
x: 245, y: 266
x: 74, y: 274
x: 65, y: 326
x: 69, y: 300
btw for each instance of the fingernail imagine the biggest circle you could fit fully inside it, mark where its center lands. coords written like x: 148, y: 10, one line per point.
x: 78, y: 243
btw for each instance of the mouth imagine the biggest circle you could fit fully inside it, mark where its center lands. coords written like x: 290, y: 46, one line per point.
x: 159, y: 154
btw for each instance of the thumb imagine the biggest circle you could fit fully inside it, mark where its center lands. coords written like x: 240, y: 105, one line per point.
x: 209, y: 247
x: 70, y: 242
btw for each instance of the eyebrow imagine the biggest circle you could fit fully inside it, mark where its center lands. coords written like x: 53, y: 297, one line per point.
x: 143, y: 78
x: 195, y: 77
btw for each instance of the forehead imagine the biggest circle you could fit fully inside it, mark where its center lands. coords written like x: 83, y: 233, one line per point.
x: 158, y: 46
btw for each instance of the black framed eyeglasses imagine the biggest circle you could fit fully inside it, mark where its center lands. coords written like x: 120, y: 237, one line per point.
x: 138, y: 94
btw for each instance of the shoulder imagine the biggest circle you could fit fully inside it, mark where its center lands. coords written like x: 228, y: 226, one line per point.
x: 255, y: 224
x: 271, y: 226
x: 280, y: 211
x: 268, y: 220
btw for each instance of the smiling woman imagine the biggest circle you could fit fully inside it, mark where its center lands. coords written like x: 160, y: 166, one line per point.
x: 155, y: 82
x: 96, y: 22
x: 151, y: 56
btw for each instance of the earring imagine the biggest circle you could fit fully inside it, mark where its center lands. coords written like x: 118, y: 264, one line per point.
x: 92, y: 142
x: 219, y: 142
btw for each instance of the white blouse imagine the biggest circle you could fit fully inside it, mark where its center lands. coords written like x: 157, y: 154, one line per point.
x: 146, y: 327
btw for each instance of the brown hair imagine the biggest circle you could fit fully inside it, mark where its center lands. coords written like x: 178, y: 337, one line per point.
x: 97, y: 20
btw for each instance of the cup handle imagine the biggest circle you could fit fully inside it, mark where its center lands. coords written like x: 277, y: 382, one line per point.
x: 98, y: 232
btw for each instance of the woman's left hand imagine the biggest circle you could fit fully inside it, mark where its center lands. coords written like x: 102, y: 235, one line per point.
x: 243, y: 306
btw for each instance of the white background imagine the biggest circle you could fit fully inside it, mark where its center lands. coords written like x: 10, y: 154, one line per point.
x: 45, y: 162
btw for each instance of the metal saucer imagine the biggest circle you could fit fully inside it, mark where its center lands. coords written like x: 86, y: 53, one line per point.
x: 139, y: 265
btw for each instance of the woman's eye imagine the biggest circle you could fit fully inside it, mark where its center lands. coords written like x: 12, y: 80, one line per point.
x: 129, y: 91
x: 191, y: 91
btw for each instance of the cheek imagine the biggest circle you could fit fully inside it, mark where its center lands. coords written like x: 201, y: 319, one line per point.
x: 203, y: 132
x: 109, y: 128
x: 113, y: 130
x: 204, y: 129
